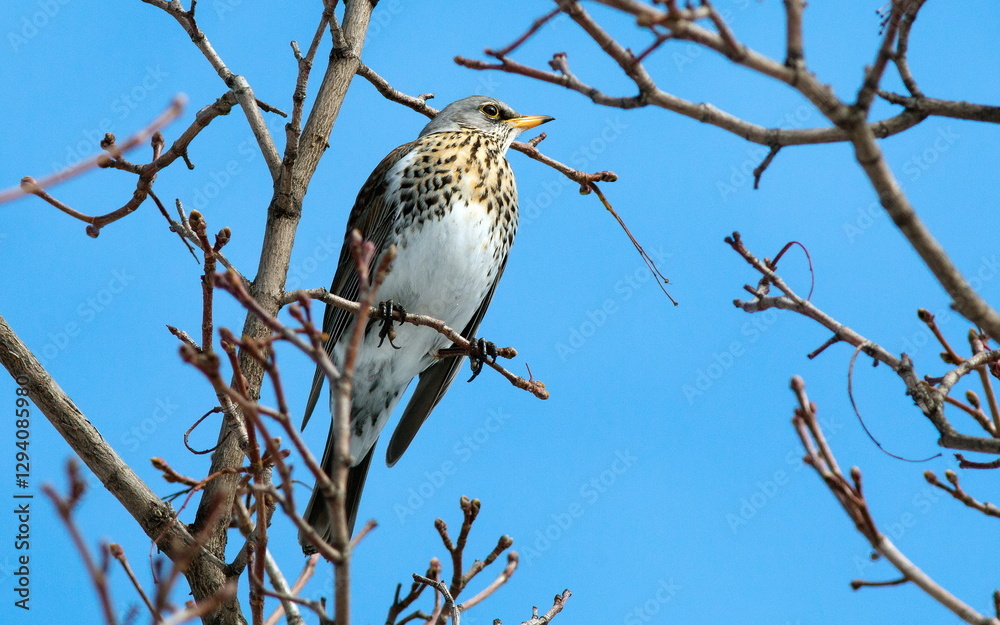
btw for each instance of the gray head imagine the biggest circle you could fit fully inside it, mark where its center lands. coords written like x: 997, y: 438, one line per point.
x: 483, y: 114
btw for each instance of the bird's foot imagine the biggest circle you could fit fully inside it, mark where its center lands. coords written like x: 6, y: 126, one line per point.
x: 483, y: 350
x: 386, y: 311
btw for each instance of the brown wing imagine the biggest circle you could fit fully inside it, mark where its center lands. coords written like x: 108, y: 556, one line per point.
x: 433, y: 384
x: 374, y: 218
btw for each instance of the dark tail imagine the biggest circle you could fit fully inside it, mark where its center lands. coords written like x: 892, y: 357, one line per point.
x: 317, y: 512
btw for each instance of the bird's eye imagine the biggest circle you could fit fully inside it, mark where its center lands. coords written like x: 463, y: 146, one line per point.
x: 490, y: 110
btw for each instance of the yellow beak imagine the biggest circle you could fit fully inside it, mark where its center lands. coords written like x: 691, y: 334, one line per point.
x: 529, y: 121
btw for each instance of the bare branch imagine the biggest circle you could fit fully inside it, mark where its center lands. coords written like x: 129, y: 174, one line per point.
x: 906, y: 20
x: 956, y: 491
x: 172, y: 112
x: 873, y: 74
x: 558, y: 603
x: 65, y: 507
x: 702, y: 112
x: 927, y: 397
x: 500, y: 580
x: 119, y: 554
x: 945, y: 108
x: 820, y: 457
x: 283, y: 215
x: 147, y: 173
x: 418, y: 103
x: 156, y: 518
x: 795, y: 54
x: 442, y: 588
x: 535, y: 387
x: 307, y: 572
x: 238, y: 84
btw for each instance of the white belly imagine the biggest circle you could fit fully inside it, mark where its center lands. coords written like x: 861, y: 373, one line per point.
x: 443, y: 269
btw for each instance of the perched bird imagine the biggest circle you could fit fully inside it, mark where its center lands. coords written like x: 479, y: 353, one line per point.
x: 448, y: 202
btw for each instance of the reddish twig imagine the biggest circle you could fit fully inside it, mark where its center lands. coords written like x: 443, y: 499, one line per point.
x: 956, y: 491
x: 172, y: 112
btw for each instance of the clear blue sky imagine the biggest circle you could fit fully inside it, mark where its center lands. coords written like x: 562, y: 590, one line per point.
x: 661, y: 483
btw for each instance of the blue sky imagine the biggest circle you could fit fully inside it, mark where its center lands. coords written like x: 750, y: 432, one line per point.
x: 662, y: 481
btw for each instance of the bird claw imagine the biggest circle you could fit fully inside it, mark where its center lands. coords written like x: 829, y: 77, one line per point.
x: 386, y: 310
x: 483, y: 349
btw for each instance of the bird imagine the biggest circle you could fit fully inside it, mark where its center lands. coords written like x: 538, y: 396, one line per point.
x: 447, y: 201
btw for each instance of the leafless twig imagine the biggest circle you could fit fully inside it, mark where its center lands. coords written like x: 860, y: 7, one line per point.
x: 929, y: 398
x: 147, y: 173
x: 173, y: 111
x: 955, y: 490
x: 851, y: 497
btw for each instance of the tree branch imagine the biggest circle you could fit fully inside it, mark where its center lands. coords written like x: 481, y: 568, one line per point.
x: 956, y: 491
x: 535, y: 387
x: 156, y: 518
x: 172, y: 112
x: 849, y: 493
x: 929, y: 399
x: 945, y: 108
x: 238, y: 84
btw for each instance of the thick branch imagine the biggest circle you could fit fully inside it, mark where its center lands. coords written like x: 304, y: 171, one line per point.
x: 156, y: 518
x: 964, y: 298
x: 283, y: 216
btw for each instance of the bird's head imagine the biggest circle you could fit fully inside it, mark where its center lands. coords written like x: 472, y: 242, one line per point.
x: 486, y: 115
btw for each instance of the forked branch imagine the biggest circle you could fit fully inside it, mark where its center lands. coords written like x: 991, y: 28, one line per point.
x: 851, y: 497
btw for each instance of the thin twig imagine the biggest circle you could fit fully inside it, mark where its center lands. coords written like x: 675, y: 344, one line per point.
x: 442, y: 588
x: 535, y: 387
x: 119, y: 554
x: 820, y: 457
x: 958, y: 493
x: 172, y: 112
x: 147, y: 173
